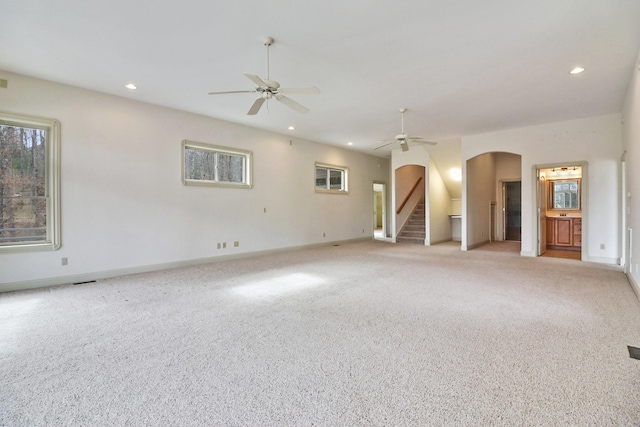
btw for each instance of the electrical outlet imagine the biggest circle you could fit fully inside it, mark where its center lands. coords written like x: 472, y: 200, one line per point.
x: 224, y: 245
x: 265, y: 210
x: 601, y: 245
x: 65, y: 261
x: 219, y: 245
x: 236, y: 244
x: 324, y: 234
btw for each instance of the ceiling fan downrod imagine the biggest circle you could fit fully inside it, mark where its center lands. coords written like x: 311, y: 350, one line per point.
x: 268, y: 41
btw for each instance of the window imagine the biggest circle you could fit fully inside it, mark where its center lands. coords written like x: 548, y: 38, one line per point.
x: 210, y: 165
x: 565, y: 194
x: 331, y: 179
x: 29, y: 183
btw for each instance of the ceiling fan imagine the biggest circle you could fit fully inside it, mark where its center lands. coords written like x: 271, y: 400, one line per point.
x: 403, y: 139
x: 271, y: 89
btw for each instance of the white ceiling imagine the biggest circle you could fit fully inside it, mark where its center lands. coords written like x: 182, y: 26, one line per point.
x: 461, y: 67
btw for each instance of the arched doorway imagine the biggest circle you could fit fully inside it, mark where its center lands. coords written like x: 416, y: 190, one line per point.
x: 493, y: 205
x: 410, y: 204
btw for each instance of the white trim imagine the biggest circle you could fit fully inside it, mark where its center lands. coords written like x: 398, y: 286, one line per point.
x: 52, y: 185
x: 87, y: 277
x: 602, y: 260
x: 634, y: 285
x: 477, y: 245
x: 384, y: 208
x: 584, y: 206
x: 345, y: 180
x: 245, y: 154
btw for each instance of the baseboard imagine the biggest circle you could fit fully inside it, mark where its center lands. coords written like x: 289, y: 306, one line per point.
x: 634, y: 285
x: 87, y: 277
x: 437, y: 242
x: 602, y: 260
x: 478, y: 244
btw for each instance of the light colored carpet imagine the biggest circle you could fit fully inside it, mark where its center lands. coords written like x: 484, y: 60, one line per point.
x: 362, y: 334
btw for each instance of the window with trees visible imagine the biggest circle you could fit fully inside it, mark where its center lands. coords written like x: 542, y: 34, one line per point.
x: 331, y: 179
x: 565, y: 194
x: 212, y: 165
x: 29, y: 183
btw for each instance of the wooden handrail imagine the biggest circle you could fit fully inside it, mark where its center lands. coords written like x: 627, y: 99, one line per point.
x: 406, y: 199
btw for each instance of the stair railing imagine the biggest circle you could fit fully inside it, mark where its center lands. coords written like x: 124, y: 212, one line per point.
x: 406, y: 199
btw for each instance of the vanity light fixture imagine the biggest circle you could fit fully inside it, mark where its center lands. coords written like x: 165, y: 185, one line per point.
x: 563, y: 171
x: 131, y: 86
x: 576, y: 70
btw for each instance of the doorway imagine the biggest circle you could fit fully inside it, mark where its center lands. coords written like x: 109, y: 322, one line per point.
x: 512, y: 196
x: 379, y: 210
x: 561, y: 204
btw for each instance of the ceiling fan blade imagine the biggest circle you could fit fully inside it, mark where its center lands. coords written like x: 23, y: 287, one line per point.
x: 232, y: 91
x: 404, y: 146
x: 256, y: 106
x: 292, y: 104
x: 309, y: 90
x: 420, y: 140
x: 384, y: 145
x: 257, y: 80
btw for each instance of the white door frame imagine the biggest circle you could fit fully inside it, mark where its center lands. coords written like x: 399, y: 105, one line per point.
x: 384, y: 206
x: 584, y: 200
x: 624, y: 241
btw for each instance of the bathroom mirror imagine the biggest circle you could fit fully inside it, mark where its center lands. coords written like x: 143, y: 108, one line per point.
x: 564, y: 194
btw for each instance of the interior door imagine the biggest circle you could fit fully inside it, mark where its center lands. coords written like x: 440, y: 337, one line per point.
x: 542, y: 214
x: 513, y: 210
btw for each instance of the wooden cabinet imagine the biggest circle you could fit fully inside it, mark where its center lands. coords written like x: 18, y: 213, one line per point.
x: 551, y: 233
x: 564, y: 233
x: 577, y: 232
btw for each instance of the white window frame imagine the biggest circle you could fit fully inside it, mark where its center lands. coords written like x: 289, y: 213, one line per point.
x: 248, y: 165
x: 345, y: 181
x: 52, y: 182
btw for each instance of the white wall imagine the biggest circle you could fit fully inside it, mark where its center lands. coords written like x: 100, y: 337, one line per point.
x: 596, y: 140
x: 631, y: 143
x: 439, y: 208
x: 125, y: 209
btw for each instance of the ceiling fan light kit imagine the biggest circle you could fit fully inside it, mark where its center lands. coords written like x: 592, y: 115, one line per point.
x: 267, y: 89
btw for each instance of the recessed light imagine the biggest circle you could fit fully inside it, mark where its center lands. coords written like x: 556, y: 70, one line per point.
x: 291, y: 128
x: 349, y: 143
x: 131, y: 86
x: 576, y: 70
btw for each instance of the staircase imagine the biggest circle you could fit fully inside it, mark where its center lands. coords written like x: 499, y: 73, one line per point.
x: 414, y: 230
